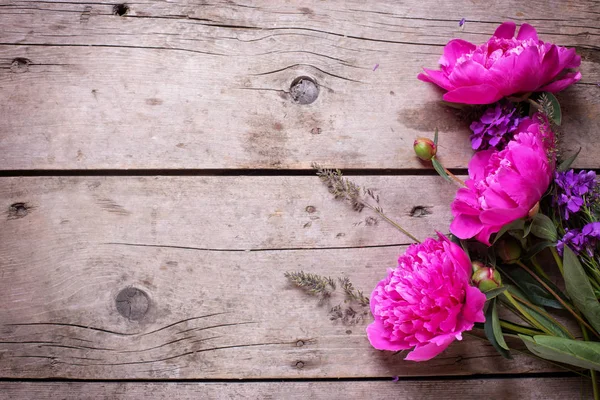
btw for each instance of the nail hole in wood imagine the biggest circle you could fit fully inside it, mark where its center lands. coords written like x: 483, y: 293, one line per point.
x: 304, y: 90
x: 120, y: 9
x: 18, y: 210
x: 20, y: 65
x: 299, y: 365
x: 300, y: 343
x: 132, y: 303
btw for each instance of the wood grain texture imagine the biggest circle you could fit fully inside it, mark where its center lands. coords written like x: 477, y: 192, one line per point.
x: 210, y: 254
x: 196, y: 85
x: 476, y: 389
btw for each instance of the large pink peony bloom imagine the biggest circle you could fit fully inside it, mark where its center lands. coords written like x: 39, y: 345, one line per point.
x: 426, y: 302
x: 504, y: 185
x: 503, y: 66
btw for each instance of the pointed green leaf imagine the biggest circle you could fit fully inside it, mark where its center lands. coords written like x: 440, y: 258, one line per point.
x: 493, y: 331
x: 518, y: 224
x: 440, y: 169
x: 555, y: 105
x: 550, y: 325
x: 490, y: 294
x: 532, y: 289
x: 580, y: 289
x: 536, y: 248
x: 543, y: 227
x: 579, y: 353
x: 565, y: 165
x: 435, y: 137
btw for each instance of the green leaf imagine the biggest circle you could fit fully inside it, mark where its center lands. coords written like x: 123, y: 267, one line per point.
x: 579, y: 353
x: 580, y: 289
x: 531, y: 289
x: 493, y: 330
x: 565, y: 165
x: 490, y: 294
x: 555, y: 112
x: 518, y: 224
x: 536, y: 248
x: 440, y: 169
x: 544, y: 228
x: 542, y: 319
x: 527, y: 228
x: 435, y: 137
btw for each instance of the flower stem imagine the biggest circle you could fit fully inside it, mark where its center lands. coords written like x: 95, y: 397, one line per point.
x: 528, y: 316
x: 455, y: 178
x: 389, y: 221
x: 557, y: 259
x: 545, y: 314
x: 519, y: 328
x: 557, y: 297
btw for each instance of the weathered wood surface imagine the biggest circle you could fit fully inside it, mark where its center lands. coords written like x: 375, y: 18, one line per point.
x: 210, y: 255
x: 476, y: 389
x: 194, y: 85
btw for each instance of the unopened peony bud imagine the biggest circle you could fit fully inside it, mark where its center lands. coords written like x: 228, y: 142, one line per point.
x: 509, y: 250
x: 425, y: 149
x: 486, y: 279
x: 477, y: 265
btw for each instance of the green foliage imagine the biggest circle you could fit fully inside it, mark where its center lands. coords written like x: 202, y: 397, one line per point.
x: 544, y: 228
x: 551, y: 107
x: 439, y: 168
x: 490, y: 294
x: 493, y: 330
x: 580, y: 289
x: 582, y: 354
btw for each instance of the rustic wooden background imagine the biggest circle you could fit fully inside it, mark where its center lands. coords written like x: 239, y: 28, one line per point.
x: 156, y: 182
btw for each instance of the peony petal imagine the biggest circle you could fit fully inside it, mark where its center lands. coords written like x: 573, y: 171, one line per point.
x: 460, y: 258
x: 521, y: 72
x: 478, y: 164
x: 506, y: 30
x: 437, y: 77
x: 377, y: 336
x: 468, y: 73
x: 562, y: 84
x: 465, y: 226
x: 480, y: 94
x: 498, y: 217
x: 455, y: 49
x: 527, y: 31
x: 473, y: 308
x: 430, y: 350
x: 550, y: 65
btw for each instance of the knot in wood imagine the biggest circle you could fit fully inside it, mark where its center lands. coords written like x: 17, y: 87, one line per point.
x: 20, y: 65
x: 304, y: 90
x: 120, y: 9
x: 132, y: 303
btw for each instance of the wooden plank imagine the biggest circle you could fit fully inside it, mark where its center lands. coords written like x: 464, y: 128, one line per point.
x: 207, y: 257
x: 208, y: 86
x: 475, y: 389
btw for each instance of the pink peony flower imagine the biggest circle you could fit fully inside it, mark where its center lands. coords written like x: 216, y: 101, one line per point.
x: 426, y: 302
x: 504, y: 185
x: 503, y: 66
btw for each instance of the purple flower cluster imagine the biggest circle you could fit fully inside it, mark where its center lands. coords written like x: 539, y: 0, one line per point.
x: 574, y: 190
x: 495, y: 127
x: 578, y: 241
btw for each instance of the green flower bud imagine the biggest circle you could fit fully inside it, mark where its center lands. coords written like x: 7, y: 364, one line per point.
x: 509, y: 250
x: 425, y: 149
x: 477, y: 265
x: 486, y: 279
